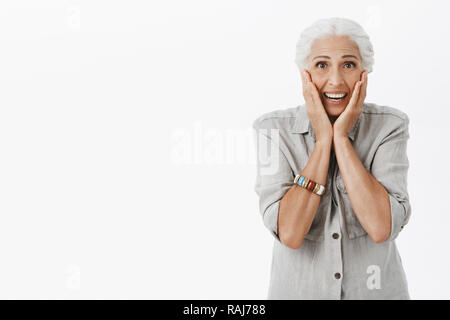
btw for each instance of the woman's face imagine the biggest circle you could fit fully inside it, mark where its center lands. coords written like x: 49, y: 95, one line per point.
x: 335, y: 66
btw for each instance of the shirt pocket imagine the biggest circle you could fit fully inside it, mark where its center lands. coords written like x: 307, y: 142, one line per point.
x: 354, y: 228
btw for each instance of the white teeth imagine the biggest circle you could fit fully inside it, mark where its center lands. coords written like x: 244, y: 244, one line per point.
x: 335, y: 95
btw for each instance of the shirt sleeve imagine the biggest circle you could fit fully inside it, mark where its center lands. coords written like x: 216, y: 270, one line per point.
x: 390, y: 167
x: 274, y: 175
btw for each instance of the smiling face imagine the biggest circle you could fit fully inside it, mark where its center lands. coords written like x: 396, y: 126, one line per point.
x: 335, y: 66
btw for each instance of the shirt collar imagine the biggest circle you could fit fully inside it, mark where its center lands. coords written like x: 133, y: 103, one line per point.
x: 303, y: 125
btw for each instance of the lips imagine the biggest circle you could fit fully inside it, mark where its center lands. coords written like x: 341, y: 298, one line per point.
x: 335, y: 96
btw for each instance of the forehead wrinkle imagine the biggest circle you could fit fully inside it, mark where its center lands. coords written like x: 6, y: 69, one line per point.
x: 345, y: 56
x: 325, y: 47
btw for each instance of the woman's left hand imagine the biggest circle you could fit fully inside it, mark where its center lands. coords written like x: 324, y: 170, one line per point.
x: 346, y: 120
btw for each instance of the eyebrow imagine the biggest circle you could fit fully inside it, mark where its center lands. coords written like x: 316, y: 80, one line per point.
x: 344, y: 56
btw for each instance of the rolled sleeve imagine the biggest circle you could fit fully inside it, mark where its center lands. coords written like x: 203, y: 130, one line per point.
x: 390, y: 168
x: 274, y: 175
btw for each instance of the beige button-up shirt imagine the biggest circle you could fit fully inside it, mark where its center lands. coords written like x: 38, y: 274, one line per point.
x: 337, y: 259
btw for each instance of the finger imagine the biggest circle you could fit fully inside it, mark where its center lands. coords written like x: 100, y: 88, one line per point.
x: 364, y: 78
x: 310, y: 84
x: 355, y: 95
x: 308, y: 75
x: 363, y: 90
x: 315, y: 94
x: 306, y: 89
x: 304, y: 81
x: 302, y: 75
x: 309, y: 92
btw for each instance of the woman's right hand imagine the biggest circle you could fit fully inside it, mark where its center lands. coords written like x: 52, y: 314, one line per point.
x: 315, y: 109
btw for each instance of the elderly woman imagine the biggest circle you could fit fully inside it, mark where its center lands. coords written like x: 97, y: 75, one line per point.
x: 333, y: 184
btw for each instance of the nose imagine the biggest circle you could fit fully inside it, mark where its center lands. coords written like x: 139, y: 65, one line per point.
x: 335, y: 78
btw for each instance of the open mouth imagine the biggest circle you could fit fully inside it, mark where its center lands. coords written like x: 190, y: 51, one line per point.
x: 335, y: 96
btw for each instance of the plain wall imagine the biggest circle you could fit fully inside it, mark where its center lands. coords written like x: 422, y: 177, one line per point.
x: 127, y: 163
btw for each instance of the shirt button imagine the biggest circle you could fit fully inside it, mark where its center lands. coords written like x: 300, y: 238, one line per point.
x: 337, y: 275
x: 335, y: 235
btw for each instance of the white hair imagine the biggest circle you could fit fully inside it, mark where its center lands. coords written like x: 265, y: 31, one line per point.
x: 324, y: 28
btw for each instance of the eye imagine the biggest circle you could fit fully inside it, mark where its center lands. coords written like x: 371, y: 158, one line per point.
x: 319, y: 64
x: 349, y: 63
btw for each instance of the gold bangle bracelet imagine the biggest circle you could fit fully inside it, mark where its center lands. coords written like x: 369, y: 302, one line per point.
x: 321, y: 190
x: 305, y: 182
x: 316, y: 188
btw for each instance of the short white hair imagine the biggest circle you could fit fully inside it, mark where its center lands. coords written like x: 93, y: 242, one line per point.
x: 324, y: 28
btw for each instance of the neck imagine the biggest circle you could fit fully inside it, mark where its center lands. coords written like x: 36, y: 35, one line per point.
x: 332, y: 119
